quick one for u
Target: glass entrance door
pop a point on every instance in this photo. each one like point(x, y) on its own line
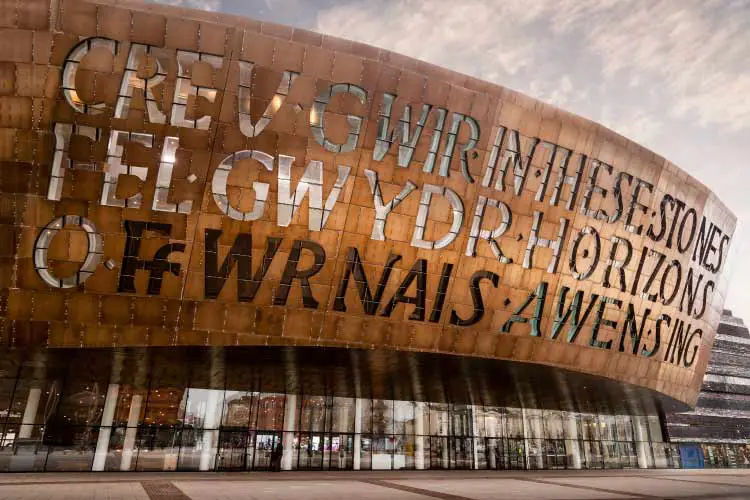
point(554, 454)
point(593, 455)
point(493, 449)
point(514, 454)
point(232, 449)
point(311, 451)
point(462, 456)
point(265, 443)
point(342, 452)
point(439, 452)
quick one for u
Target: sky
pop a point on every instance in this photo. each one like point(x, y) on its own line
point(671, 75)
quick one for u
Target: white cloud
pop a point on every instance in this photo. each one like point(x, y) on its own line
point(634, 123)
point(211, 5)
point(673, 75)
point(694, 52)
point(461, 35)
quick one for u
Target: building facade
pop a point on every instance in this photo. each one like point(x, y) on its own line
point(717, 432)
point(228, 242)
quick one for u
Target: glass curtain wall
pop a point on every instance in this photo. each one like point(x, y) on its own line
point(193, 411)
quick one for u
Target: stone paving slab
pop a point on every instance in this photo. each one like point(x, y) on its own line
point(103, 491)
point(661, 487)
point(382, 485)
point(294, 490)
point(736, 480)
point(490, 489)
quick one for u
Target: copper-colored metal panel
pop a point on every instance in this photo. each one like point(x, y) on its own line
point(173, 177)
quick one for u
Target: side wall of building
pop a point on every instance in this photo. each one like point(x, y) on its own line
point(717, 431)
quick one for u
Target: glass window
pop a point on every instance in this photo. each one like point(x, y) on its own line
point(342, 449)
point(403, 417)
point(535, 451)
point(365, 415)
point(23, 394)
point(628, 454)
point(156, 448)
point(571, 425)
point(382, 452)
point(81, 404)
point(202, 408)
point(553, 425)
point(238, 407)
point(403, 452)
point(554, 454)
point(315, 412)
point(270, 412)
point(611, 455)
point(514, 424)
point(365, 452)
point(592, 452)
point(312, 451)
point(743, 456)
point(25, 455)
point(114, 451)
point(439, 453)
point(607, 428)
point(382, 416)
point(439, 419)
point(590, 427)
point(654, 429)
point(71, 448)
point(169, 416)
point(343, 414)
point(493, 422)
point(463, 420)
point(534, 424)
point(171, 406)
point(660, 452)
point(189, 442)
point(7, 386)
point(624, 428)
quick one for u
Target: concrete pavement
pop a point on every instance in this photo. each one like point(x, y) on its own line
point(730, 484)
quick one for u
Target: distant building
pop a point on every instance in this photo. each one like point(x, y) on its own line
point(717, 432)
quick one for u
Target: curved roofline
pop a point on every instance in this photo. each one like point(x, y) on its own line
point(400, 61)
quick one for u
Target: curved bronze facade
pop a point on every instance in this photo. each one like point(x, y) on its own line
point(174, 177)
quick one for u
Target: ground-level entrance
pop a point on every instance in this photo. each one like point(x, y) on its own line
point(232, 410)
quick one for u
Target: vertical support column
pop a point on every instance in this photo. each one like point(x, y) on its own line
point(419, 435)
point(39, 362)
point(212, 417)
point(290, 422)
point(537, 435)
point(525, 427)
point(105, 431)
point(475, 438)
point(357, 434)
point(108, 414)
point(642, 445)
point(29, 413)
point(210, 430)
point(140, 383)
point(445, 431)
point(572, 441)
point(130, 433)
point(419, 412)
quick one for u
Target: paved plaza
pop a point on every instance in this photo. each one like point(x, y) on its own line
point(443, 485)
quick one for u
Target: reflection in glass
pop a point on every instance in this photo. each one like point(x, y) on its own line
point(144, 410)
